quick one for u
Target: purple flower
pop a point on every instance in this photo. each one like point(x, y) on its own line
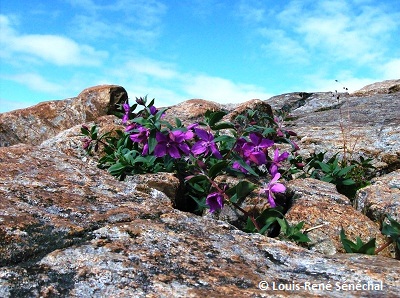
point(141, 137)
point(140, 101)
point(215, 201)
point(86, 143)
point(206, 144)
point(127, 110)
point(153, 110)
point(273, 169)
point(131, 126)
point(173, 143)
point(239, 145)
point(274, 187)
point(236, 165)
point(193, 125)
point(255, 150)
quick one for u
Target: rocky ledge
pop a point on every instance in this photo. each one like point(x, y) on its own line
point(69, 229)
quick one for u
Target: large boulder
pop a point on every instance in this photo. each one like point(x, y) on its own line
point(45, 120)
point(70, 230)
point(352, 125)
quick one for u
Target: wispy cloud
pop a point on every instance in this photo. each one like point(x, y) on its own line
point(158, 79)
point(36, 82)
point(221, 90)
point(341, 29)
point(138, 20)
point(55, 49)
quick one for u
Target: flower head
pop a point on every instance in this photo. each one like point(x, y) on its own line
point(255, 150)
point(86, 143)
point(273, 169)
point(141, 136)
point(273, 187)
point(206, 144)
point(215, 201)
point(172, 144)
point(127, 110)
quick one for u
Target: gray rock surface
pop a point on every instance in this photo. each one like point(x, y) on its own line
point(80, 233)
point(45, 120)
point(69, 229)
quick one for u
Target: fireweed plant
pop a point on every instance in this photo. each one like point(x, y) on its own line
point(200, 152)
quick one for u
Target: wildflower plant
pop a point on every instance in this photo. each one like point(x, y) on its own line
point(199, 153)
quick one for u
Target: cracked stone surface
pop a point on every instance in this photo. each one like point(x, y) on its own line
point(69, 229)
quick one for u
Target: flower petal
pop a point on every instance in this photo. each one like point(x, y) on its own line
point(174, 152)
point(278, 187)
point(199, 148)
point(202, 134)
point(160, 150)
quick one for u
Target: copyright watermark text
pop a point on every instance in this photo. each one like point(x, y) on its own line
point(309, 286)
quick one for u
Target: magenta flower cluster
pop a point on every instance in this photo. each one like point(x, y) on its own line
point(200, 144)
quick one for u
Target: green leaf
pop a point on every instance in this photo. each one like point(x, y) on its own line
point(347, 244)
point(368, 248)
point(348, 182)
point(267, 131)
point(300, 237)
point(224, 138)
point(214, 117)
point(392, 230)
point(178, 122)
point(197, 179)
point(250, 228)
point(359, 246)
point(160, 113)
point(223, 125)
point(116, 169)
point(265, 219)
point(151, 141)
point(84, 131)
point(324, 167)
point(240, 191)
point(327, 179)
point(246, 166)
point(345, 170)
point(217, 168)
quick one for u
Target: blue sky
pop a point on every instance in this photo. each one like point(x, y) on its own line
point(225, 51)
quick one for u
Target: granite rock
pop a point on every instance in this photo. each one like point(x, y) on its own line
point(78, 232)
point(69, 229)
point(381, 198)
point(318, 204)
point(35, 124)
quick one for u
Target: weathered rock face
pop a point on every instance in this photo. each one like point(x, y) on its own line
point(73, 231)
point(381, 198)
point(318, 203)
point(40, 122)
point(370, 124)
point(389, 86)
point(68, 229)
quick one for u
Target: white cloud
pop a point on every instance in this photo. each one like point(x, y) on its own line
point(36, 82)
point(340, 30)
point(280, 44)
point(167, 84)
point(55, 49)
point(250, 12)
point(221, 90)
point(58, 50)
point(153, 68)
point(391, 69)
point(138, 20)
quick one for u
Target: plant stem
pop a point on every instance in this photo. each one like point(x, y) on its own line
point(256, 225)
point(382, 247)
